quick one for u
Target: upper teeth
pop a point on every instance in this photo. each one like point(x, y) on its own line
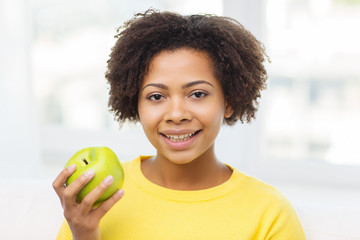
point(180, 137)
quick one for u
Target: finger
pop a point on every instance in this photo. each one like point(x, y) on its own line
point(108, 204)
point(70, 192)
point(89, 200)
point(59, 182)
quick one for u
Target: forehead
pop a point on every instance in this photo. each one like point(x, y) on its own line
point(179, 53)
point(180, 64)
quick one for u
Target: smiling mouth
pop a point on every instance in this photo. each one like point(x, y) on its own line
point(180, 138)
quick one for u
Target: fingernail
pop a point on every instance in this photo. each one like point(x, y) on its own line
point(71, 167)
point(108, 179)
point(90, 173)
point(119, 193)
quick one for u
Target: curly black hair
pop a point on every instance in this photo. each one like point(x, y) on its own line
point(237, 56)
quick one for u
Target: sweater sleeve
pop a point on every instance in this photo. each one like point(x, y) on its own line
point(64, 232)
point(286, 224)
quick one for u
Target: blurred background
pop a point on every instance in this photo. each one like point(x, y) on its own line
point(305, 139)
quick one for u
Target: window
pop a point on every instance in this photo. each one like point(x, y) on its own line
point(313, 105)
point(308, 117)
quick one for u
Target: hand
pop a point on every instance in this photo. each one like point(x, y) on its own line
point(83, 218)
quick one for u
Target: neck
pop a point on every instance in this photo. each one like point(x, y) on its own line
point(201, 173)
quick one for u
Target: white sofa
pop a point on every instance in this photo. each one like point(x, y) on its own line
point(31, 210)
point(329, 222)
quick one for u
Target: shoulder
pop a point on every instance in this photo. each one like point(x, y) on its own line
point(255, 192)
point(132, 169)
point(134, 164)
point(257, 188)
point(277, 213)
point(127, 164)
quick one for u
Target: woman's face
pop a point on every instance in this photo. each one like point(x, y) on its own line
point(181, 105)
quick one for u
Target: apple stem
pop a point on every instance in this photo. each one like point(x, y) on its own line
point(86, 162)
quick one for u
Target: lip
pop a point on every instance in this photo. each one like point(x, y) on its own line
point(179, 144)
point(178, 131)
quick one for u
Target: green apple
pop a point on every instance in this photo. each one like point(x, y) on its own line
point(104, 162)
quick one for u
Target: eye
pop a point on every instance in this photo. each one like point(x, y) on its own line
point(155, 97)
point(198, 94)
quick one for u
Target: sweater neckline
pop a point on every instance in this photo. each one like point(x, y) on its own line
point(183, 195)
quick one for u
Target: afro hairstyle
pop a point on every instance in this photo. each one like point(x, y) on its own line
point(237, 56)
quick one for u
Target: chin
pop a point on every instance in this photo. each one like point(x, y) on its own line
point(180, 158)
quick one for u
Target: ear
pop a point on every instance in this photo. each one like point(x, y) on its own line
point(228, 110)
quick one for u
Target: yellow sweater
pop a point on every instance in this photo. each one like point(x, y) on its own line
point(241, 208)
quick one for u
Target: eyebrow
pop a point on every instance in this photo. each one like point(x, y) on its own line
point(158, 85)
point(190, 84)
point(187, 85)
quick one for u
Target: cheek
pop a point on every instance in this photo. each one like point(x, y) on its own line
point(148, 117)
point(148, 120)
point(212, 113)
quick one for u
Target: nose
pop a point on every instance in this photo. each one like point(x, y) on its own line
point(177, 111)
